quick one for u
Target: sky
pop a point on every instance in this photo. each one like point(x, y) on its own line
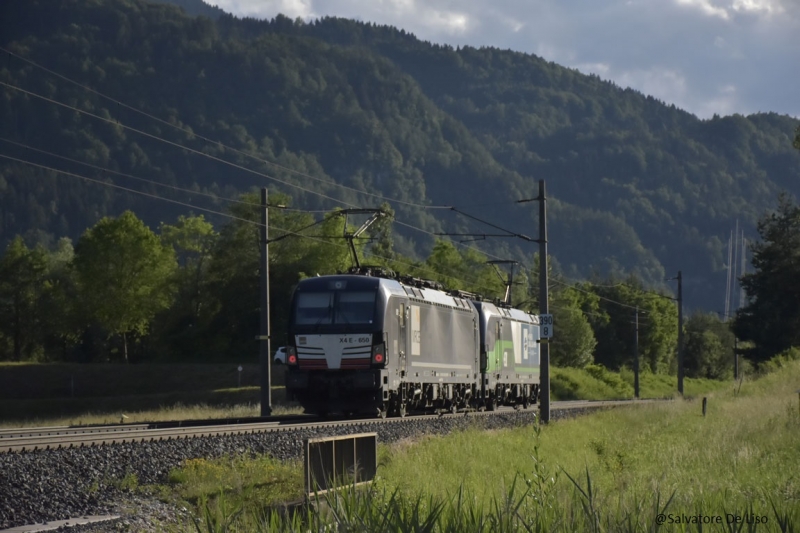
point(705, 56)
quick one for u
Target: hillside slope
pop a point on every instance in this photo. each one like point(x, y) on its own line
point(636, 186)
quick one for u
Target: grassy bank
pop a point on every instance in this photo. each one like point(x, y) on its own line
point(71, 394)
point(596, 383)
point(615, 470)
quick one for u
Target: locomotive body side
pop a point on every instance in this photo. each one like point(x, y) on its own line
point(509, 358)
point(439, 365)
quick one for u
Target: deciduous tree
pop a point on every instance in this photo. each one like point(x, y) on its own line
point(22, 273)
point(708, 347)
point(573, 341)
point(124, 272)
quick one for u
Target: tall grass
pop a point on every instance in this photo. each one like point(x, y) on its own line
point(615, 470)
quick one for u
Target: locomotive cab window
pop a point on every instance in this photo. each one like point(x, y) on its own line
point(355, 307)
point(335, 307)
point(314, 308)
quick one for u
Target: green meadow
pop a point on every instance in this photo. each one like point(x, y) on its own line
point(624, 469)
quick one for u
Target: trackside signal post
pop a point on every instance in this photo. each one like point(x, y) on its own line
point(264, 331)
point(636, 354)
point(544, 362)
point(544, 308)
point(680, 332)
point(679, 279)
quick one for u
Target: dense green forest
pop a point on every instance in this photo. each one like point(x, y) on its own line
point(335, 112)
point(191, 292)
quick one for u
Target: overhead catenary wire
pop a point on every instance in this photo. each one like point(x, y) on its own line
point(199, 208)
point(155, 196)
point(124, 175)
point(418, 266)
point(610, 300)
point(325, 240)
point(121, 104)
point(177, 145)
point(223, 161)
point(260, 159)
point(187, 131)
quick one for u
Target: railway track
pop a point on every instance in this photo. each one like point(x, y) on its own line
point(44, 438)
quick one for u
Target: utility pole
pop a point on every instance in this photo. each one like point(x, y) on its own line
point(636, 355)
point(680, 332)
point(544, 376)
point(265, 353)
point(679, 277)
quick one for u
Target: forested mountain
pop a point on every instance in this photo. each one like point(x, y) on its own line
point(635, 186)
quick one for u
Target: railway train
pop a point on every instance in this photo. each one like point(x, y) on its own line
point(388, 346)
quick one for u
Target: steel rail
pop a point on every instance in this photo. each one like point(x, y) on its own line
point(18, 440)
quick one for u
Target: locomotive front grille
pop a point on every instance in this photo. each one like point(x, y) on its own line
point(312, 364)
point(355, 363)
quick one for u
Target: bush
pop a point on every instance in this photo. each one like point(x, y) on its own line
point(611, 379)
point(780, 361)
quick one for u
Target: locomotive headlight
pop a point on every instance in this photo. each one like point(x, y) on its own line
point(291, 355)
point(379, 355)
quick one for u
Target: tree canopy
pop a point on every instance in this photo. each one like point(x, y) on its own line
point(771, 319)
point(124, 273)
point(22, 275)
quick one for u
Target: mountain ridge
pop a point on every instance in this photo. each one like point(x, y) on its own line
point(635, 186)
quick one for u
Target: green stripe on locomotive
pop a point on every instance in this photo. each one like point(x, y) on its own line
point(503, 357)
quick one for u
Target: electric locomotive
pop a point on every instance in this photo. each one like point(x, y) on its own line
point(509, 362)
point(373, 345)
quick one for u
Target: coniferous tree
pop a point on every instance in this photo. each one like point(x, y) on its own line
point(771, 319)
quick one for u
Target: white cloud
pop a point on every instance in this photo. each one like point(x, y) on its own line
point(257, 8)
point(725, 102)
point(758, 6)
point(706, 7)
point(447, 22)
point(601, 69)
point(662, 83)
point(687, 52)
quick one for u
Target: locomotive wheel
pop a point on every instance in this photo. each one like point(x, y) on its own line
point(383, 411)
point(401, 410)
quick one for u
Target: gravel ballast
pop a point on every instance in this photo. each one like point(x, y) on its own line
point(51, 485)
